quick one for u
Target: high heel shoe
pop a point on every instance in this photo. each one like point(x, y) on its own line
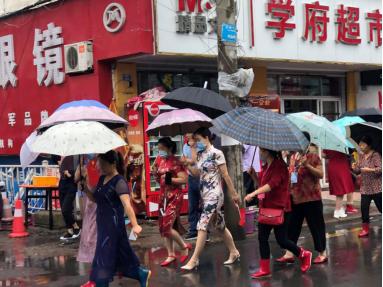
point(188, 247)
point(189, 269)
point(231, 261)
point(168, 262)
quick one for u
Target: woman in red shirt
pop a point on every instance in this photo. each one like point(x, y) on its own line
point(274, 188)
point(306, 171)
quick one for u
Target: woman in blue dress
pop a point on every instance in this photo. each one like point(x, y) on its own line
point(114, 254)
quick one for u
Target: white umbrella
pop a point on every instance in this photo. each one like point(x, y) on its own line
point(75, 138)
point(26, 155)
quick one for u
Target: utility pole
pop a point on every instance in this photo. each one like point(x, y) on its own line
point(228, 63)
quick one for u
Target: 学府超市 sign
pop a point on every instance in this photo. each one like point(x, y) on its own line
point(322, 30)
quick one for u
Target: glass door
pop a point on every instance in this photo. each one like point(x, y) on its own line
point(294, 105)
point(330, 109)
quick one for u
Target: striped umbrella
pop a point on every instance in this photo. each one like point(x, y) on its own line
point(84, 110)
point(263, 128)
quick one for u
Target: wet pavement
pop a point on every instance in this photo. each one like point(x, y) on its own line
point(353, 262)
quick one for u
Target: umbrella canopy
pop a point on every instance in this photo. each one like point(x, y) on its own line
point(75, 138)
point(178, 122)
point(85, 110)
point(373, 130)
point(26, 155)
point(323, 133)
point(370, 114)
point(348, 121)
point(263, 128)
point(205, 101)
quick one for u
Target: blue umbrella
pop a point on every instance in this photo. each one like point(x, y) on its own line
point(342, 123)
point(263, 128)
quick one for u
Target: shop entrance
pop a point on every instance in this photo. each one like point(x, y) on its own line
point(329, 107)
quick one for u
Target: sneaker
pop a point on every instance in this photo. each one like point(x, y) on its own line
point(191, 236)
point(342, 213)
point(76, 233)
point(66, 236)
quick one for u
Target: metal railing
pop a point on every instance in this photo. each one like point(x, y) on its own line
point(15, 175)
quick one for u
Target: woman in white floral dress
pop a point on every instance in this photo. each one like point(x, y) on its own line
point(210, 165)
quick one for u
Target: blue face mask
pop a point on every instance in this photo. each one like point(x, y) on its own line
point(200, 146)
point(163, 153)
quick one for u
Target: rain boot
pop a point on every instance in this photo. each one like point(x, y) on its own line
point(365, 230)
point(305, 258)
point(264, 269)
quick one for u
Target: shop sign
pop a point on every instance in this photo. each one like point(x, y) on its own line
point(308, 30)
point(114, 17)
point(154, 110)
point(191, 18)
point(269, 102)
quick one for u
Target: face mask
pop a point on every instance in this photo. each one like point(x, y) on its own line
point(163, 153)
point(200, 146)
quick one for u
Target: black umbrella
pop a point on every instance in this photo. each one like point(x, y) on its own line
point(373, 130)
point(203, 100)
point(369, 115)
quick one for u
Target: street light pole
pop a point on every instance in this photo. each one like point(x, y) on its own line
point(228, 63)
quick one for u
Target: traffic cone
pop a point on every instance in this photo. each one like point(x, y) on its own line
point(7, 209)
point(18, 229)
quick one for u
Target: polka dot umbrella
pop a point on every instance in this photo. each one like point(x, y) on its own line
point(76, 138)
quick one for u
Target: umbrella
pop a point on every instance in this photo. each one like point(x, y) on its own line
point(374, 130)
point(205, 101)
point(84, 110)
point(75, 138)
point(263, 128)
point(26, 155)
point(369, 114)
point(323, 133)
point(178, 122)
point(348, 121)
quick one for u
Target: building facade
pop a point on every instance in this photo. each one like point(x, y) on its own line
point(322, 56)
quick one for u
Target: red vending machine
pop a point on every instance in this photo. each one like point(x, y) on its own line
point(143, 150)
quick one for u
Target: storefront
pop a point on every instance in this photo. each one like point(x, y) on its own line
point(310, 53)
point(63, 52)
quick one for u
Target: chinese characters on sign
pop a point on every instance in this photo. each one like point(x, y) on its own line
point(348, 25)
point(189, 17)
point(9, 143)
point(316, 22)
point(375, 25)
point(316, 18)
point(48, 55)
point(7, 62)
point(281, 12)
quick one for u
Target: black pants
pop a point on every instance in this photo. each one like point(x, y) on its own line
point(67, 205)
point(313, 213)
point(366, 202)
point(194, 199)
point(280, 233)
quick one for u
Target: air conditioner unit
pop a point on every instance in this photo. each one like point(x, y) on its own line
point(78, 57)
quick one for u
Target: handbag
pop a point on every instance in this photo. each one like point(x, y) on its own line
point(271, 216)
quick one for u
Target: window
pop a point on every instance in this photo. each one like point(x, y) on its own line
point(171, 81)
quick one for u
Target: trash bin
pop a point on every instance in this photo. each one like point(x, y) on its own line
point(250, 220)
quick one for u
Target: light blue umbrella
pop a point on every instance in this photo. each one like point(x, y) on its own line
point(348, 121)
point(323, 133)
